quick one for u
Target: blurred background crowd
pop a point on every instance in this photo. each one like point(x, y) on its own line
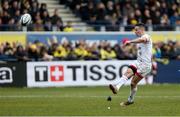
point(11, 11)
point(82, 50)
point(161, 14)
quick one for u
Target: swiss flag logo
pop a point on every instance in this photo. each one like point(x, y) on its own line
point(57, 73)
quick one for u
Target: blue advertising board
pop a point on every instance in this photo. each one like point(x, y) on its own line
point(77, 36)
point(169, 73)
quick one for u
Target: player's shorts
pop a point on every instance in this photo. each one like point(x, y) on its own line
point(141, 69)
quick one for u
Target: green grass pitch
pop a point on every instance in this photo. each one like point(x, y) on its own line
point(154, 100)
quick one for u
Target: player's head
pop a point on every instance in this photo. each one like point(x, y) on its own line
point(139, 29)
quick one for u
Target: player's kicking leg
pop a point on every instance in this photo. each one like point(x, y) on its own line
point(128, 74)
point(133, 91)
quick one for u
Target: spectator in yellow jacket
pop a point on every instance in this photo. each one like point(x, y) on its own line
point(60, 52)
point(107, 53)
point(81, 52)
point(68, 27)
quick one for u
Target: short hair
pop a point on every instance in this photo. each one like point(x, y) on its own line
point(140, 25)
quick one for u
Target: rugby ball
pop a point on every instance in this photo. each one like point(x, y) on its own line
point(25, 19)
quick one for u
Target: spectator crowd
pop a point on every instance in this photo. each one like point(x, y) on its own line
point(82, 50)
point(165, 14)
point(110, 13)
point(162, 14)
point(11, 10)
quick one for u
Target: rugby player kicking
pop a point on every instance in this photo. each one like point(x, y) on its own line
point(140, 68)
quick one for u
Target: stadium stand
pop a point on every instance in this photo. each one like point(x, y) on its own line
point(109, 15)
point(82, 50)
point(74, 15)
point(163, 14)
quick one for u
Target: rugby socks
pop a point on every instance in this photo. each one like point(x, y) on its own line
point(132, 94)
point(121, 82)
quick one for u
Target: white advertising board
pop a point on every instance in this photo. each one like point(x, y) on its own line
point(75, 73)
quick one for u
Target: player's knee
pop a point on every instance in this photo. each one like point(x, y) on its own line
point(132, 69)
point(129, 73)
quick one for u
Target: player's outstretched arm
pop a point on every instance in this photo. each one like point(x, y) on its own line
point(137, 40)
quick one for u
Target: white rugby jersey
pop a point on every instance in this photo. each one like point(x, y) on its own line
point(144, 50)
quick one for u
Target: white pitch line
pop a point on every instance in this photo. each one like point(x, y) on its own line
point(70, 96)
